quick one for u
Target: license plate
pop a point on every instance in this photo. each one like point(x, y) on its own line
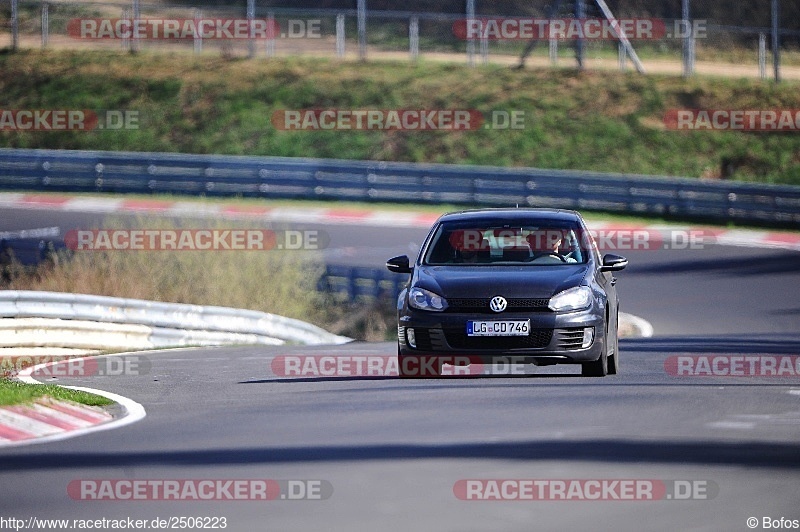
point(499, 328)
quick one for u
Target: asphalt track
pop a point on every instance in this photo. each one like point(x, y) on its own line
point(394, 450)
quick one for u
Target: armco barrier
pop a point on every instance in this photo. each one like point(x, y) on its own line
point(371, 181)
point(28, 251)
point(360, 283)
point(168, 323)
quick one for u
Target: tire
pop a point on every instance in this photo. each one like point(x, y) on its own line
point(613, 360)
point(400, 373)
point(599, 367)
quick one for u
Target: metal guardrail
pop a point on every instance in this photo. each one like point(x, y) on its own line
point(359, 283)
point(372, 181)
point(28, 251)
point(186, 324)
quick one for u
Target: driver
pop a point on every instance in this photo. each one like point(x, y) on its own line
point(548, 242)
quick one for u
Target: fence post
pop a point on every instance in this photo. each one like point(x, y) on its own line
point(484, 45)
point(776, 50)
point(413, 38)
point(126, 42)
point(762, 56)
point(688, 62)
point(553, 51)
point(14, 25)
point(198, 38)
point(251, 15)
point(340, 34)
point(580, 49)
point(362, 29)
point(135, 36)
point(274, 32)
point(470, 41)
point(45, 24)
point(623, 56)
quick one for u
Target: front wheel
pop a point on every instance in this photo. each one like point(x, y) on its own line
point(613, 360)
point(599, 367)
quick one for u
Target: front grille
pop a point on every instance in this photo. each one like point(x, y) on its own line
point(481, 305)
point(537, 339)
point(570, 338)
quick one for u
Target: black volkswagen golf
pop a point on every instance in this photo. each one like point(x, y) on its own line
point(526, 283)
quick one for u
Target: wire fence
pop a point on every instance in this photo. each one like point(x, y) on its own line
point(682, 43)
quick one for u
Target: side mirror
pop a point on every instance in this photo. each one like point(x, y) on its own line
point(613, 263)
point(399, 264)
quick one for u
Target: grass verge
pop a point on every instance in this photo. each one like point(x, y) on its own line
point(601, 121)
point(283, 282)
point(14, 392)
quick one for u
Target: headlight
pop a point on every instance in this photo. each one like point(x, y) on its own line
point(425, 300)
point(576, 298)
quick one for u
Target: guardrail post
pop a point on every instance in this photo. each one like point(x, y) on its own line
point(352, 284)
point(762, 56)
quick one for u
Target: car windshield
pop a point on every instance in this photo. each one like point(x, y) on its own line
point(500, 242)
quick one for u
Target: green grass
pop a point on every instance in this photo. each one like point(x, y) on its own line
point(14, 392)
point(601, 121)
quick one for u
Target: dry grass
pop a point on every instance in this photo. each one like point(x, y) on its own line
point(282, 282)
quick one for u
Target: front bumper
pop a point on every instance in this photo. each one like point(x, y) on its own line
point(554, 338)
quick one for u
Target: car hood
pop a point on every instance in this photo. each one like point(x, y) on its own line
point(508, 281)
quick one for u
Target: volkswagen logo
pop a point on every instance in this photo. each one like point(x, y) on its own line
point(498, 304)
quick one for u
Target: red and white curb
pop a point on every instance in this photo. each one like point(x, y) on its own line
point(347, 216)
point(48, 420)
point(46, 417)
